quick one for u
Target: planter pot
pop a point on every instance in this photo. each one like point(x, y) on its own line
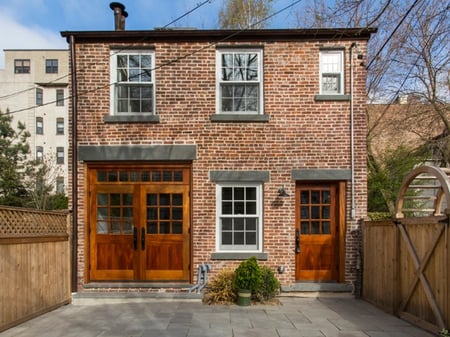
point(244, 297)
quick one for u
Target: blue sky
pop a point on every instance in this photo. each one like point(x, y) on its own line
point(36, 24)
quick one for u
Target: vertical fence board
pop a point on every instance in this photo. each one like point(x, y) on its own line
point(34, 263)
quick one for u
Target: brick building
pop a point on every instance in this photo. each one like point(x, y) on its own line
point(212, 146)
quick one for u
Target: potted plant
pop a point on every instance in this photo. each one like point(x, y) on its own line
point(248, 279)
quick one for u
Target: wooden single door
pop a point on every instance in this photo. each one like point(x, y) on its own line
point(316, 232)
point(113, 233)
point(165, 253)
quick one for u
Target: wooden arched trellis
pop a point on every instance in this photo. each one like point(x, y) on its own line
point(422, 254)
point(423, 191)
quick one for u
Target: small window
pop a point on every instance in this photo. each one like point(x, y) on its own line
point(239, 218)
point(332, 72)
point(134, 83)
point(39, 96)
point(21, 66)
point(39, 154)
point(59, 126)
point(60, 155)
point(60, 184)
point(239, 82)
point(59, 97)
point(51, 66)
point(39, 126)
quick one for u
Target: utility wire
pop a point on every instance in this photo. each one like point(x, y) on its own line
point(199, 5)
point(392, 33)
point(168, 63)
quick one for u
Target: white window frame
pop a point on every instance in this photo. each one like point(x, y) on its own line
point(332, 69)
point(259, 81)
point(115, 83)
point(259, 226)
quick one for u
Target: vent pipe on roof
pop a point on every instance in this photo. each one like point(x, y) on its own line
point(119, 15)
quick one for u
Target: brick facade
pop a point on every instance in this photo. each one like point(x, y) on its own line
point(302, 132)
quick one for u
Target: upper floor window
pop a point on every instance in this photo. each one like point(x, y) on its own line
point(39, 96)
point(239, 217)
point(60, 155)
point(134, 83)
point(51, 66)
point(59, 126)
point(239, 81)
point(60, 184)
point(39, 126)
point(332, 72)
point(59, 97)
point(21, 66)
point(39, 153)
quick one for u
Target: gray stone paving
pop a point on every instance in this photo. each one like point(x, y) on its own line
point(324, 316)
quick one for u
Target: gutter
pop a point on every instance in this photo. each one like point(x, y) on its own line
point(352, 133)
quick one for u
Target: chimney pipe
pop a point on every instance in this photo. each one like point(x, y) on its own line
point(119, 15)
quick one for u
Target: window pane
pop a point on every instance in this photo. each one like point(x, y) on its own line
point(152, 228)
point(315, 197)
point(239, 238)
point(152, 199)
point(177, 199)
point(102, 199)
point(164, 228)
point(177, 213)
point(227, 193)
point(227, 224)
point(227, 238)
point(315, 227)
point(326, 227)
point(239, 193)
point(239, 224)
point(164, 213)
point(164, 199)
point(326, 197)
point(177, 228)
point(250, 207)
point(152, 214)
point(304, 212)
point(315, 212)
point(128, 199)
point(304, 227)
point(115, 199)
point(239, 208)
point(250, 238)
point(304, 197)
point(251, 224)
point(326, 212)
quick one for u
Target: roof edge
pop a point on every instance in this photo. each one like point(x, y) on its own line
point(225, 34)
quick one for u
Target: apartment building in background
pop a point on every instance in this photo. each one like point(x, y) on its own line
point(34, 89)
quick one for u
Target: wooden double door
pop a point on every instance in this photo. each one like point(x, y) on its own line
point(139, 224)
point(318, 222)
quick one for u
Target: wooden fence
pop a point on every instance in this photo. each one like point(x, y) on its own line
point(34, 263)
point(406, 269)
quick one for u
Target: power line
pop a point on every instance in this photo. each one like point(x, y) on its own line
point(199, 5)
point(392, 33)
point(170, 62)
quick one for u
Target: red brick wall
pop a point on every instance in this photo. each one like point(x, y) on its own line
point(302, 133)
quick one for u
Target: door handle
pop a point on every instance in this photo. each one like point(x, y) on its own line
point(142, 238)
point(135, 238)
point(297, 241)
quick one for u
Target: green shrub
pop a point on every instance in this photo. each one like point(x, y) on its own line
point(220, 289)
point(270, 286)
point(248, 275)
point(445, 333)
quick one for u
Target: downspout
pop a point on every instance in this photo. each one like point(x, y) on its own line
point(352, 135)
point(74, 167)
